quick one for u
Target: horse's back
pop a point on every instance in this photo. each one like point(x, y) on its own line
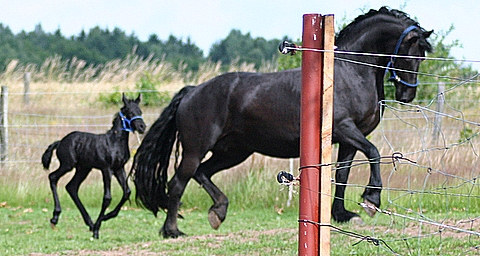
point(86, 149)
point(258, 111)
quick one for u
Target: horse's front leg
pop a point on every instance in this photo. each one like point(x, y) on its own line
point(107, 199)
point(351, 139)
point(346, 153)
point(371, 195)
point(122, 180)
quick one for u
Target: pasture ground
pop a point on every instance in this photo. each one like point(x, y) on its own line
point(441, 186)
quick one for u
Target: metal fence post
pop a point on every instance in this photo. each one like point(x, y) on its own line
point(4, 123)
point(439, 109)
point(313, 96)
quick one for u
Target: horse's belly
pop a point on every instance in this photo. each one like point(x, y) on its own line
point(277, 148)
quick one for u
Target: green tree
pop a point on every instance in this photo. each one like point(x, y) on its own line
point(243, 48)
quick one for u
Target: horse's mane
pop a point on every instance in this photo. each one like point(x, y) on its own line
point(116, 121)
point(397, 14)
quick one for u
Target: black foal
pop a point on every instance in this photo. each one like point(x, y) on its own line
point(108, 152)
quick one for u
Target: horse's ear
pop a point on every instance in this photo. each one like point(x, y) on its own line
point(426, 34)
point(139, 98)
point(124, 99)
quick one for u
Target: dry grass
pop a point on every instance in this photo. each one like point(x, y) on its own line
point(63, 102)
point(63, 97)
point(63, 94)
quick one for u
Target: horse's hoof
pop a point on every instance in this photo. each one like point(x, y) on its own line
point(171, 234)
point(369, 208)
point(357, 221)
point(52, 225)
point(214, 220)
point(175, 235)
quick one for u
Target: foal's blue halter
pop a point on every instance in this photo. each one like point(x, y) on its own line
point(394, 76)
point(127, 123)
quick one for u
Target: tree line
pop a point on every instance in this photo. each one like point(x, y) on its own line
point(98, 46)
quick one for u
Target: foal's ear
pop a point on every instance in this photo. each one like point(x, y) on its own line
point(139, 98)
point(427, 34)
point(124, 99)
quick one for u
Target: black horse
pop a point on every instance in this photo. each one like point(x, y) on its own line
point(108, 152)
point(236, 114)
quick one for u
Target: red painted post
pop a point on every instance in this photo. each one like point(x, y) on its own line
point(308, 241)
point(316, 127)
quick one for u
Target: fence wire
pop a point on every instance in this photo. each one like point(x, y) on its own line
point(430, 188)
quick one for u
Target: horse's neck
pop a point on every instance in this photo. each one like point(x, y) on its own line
point(379, 39)
point(372, 39)
point(117, 132)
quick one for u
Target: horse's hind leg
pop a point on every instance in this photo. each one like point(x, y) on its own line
point(54, 177)
point(217, 162)
point(176, 187)
point(122, 180)
point(81, 174)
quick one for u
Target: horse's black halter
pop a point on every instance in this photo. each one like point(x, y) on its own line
point(127, 123)
point(393, 74)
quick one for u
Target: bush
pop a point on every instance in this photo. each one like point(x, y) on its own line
point(146, 86)
point(150, 95)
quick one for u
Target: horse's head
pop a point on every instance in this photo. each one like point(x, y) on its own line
point(410, 48)
point(131, 115)
point(391, 32)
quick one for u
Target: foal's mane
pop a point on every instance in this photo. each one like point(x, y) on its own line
point(116, 122)
point(383, 11)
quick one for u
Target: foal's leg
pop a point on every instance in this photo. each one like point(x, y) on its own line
point(54, 177)
point(107, 198)
point(217, 162)
point(122, 180)
point(81, 174)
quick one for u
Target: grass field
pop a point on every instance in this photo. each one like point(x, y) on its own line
point(248, 230)
point(431, 197)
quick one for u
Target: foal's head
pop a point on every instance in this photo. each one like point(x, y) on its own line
point(131, 115)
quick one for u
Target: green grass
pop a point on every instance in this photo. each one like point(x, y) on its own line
point(26, 230)
point(258, 223)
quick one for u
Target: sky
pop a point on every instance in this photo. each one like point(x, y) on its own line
point(208, 22)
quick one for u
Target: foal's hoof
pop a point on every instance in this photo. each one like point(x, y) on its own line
point(369, 208)
point(214, 220)
point(52, 225)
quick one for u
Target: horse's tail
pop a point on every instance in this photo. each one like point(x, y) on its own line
point(151, 161)
point(47, 155)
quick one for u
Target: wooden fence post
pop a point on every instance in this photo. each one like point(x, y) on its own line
point(26, 85)
point(4, 123)
point(326, 133)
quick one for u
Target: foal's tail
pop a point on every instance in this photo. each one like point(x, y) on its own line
point(151, 161)
point(47, 155)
